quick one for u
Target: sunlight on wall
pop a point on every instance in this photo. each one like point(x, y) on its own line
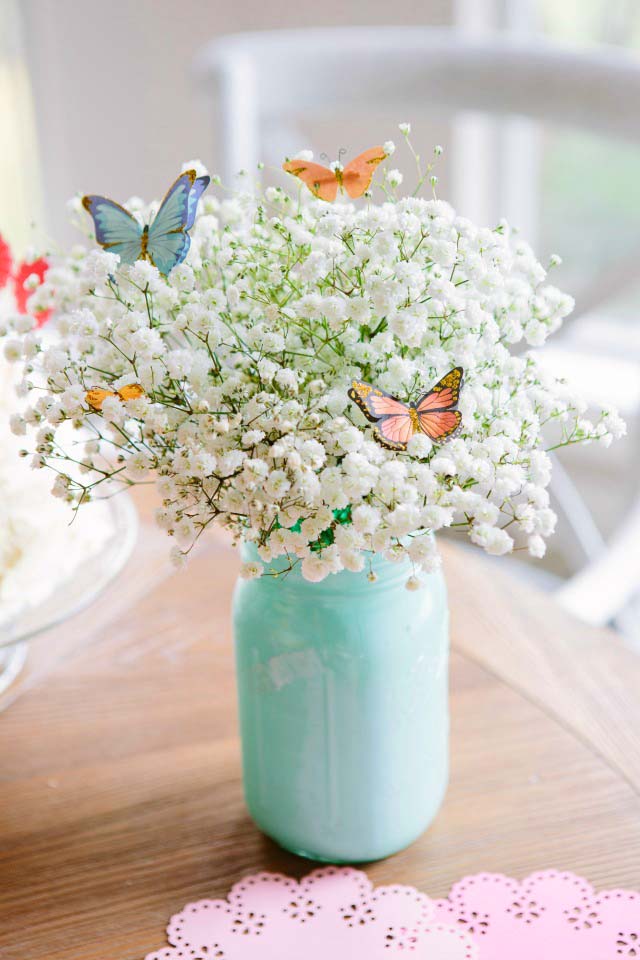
point(592, 21)
point(20, 189)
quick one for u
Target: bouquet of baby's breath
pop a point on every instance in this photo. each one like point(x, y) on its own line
point(246, 353)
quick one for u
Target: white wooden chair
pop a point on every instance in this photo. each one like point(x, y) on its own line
point(262, 80)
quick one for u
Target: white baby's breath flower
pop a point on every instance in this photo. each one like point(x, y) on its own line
point(614, 424)
point(18, 425)
point(99, 265)
point(138, 464)
point(13, 350)
point(315, 569)
point(61, 486)
point(197, 165)
point(113, 410)
point(178, 557)
point(145, 275)
point(537, 546)
point(419, 446)
point(277, 484)
point(23, 322)
point(183, 279)
point(443, 465)
point(318, 566)
point(493, 539)
point(251, 570)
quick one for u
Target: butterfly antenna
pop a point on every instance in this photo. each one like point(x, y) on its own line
point(323, 156)
point(341, 153)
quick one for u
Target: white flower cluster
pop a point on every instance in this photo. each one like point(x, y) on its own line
point(246, 352)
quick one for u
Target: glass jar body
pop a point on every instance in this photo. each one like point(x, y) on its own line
point(343, 697)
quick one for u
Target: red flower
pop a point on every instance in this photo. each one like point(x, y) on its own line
point(6, 262)
point(23, 271)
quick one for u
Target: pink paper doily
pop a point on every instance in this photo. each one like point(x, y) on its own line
point(333, 914)
point(336, 914)
point(549, 916)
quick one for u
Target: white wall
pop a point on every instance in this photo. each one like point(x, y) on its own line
point(116, 107)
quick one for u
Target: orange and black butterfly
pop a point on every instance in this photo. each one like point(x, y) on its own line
point(324, 182)
point(434, 414)
point(97, 395)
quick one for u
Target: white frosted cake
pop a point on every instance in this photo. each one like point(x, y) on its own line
point(39, 547)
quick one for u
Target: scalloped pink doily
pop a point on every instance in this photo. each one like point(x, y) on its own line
point(335, 913)
point(549, 916)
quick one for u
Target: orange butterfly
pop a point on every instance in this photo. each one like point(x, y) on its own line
point(395, 422)
point(96, 396)
point(324, 182)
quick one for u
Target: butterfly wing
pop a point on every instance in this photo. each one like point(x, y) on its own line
point(168, 241)
point(116, 230)
point(96, 397)
point(445, 394)
point(374, 402)
point(395, 432)
point(169, 250)
point(394, 424)
point(132, 391)
point(321, 181)
point(200, 184)
point(358, 173)
point(440, 425)
point(436, 414)
point(174, 209)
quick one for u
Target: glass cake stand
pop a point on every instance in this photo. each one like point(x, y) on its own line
point(72, 596)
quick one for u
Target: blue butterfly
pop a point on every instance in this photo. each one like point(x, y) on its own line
point(165, 241)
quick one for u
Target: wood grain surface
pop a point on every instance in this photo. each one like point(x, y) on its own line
point(120, 789)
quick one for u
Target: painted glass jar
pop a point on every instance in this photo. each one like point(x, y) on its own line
point(343, 696)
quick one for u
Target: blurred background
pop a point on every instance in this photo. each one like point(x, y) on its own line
point(535, 102)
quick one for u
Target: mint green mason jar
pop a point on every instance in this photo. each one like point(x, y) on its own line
point(343, 696)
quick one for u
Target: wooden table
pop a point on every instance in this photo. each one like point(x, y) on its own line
point(121, 797)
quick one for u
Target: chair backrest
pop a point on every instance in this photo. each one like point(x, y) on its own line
point(262, 76)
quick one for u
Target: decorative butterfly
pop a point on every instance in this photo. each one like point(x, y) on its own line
point(395, 422)
point(165, 241)
point(97, 395)
point(324, 182)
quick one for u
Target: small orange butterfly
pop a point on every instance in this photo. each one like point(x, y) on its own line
point(97, 395)
point(395, 422)
point(324, 182)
